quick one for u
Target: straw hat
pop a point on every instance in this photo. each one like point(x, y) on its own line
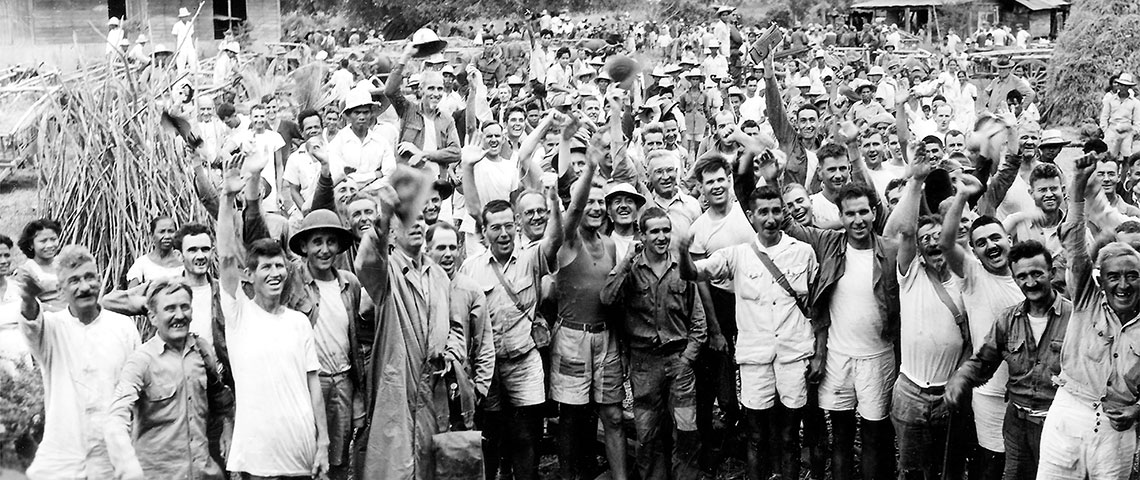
point(1003, 62)
point(1052, 138)
point(113, 21)
point(320, 220)
point(724, 10)
point(141, 39)
point(183, 12)
point(436, 59)
point(876, 70)
point(1126, 79)
point(515, 80)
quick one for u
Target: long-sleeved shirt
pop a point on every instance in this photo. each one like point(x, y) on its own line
point(661, 312)
point(1033, 362)
point(173, 395)
point(469, 314)
point(1119, 114)
point(772, 327)
point(801, 161)
point(80, 363)
point(1101, 363)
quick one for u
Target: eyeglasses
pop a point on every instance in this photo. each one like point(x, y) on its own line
point(535, 212)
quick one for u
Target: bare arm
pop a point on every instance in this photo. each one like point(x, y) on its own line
point(231, 252)
point(318, 400)
point(956, 255)
point(552, 239)
point(904, 221)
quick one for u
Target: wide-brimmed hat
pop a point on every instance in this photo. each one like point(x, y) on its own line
point(358, 97)
point(141, 38)
point(859, 84)
point(876, 70)
point(183, 12)
point(316, 220)
point(1003, 62)
point(427, 43)
point(623, 188)
point(515, 80)
point(113, 21)
point(1052, 138)
point(725, 9)
point(734, 90)
point(1126, 79)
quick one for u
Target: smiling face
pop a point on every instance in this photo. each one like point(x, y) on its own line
point(499, 232)
point(80, 286)
point(715, 187)
point(595, 212)
point(1047, 194)
point(672, 132)
point(45, 244)
point(321, 249)
point(622, 209)
point(872, 150)
point(170, 314)
point(432, 87)
point(857, 217)
point(807, 121)
point(1108, 174)
point(444, 248)
point(834, 172)
point(361, 215)
point(493, 140)
point(991, 245)
point(532, 215)
point(163, 235)
point(311, 127)
point(516, 124)
point(1120, 280)
point(927, 237)
point(1034, 277)
point(269, 276)
point(767, 216)
point(663, 176)
point(196, 251)
point(657, 234)
point(259, 118)
point(799, 205)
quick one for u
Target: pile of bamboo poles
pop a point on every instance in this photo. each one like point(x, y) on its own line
point(108, 167)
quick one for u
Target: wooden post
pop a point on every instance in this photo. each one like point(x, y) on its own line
point(906, 19)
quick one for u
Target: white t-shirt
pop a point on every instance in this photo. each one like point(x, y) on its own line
point(1017, 199)
point(271, 355)
point(331, 329)
point(711, 235)
point(856, 323)
point(80, 366)
point(202, 306)
point(1037, 325)
point(929, 339)
point(822, 210)
point(622, 244)
point(496, 179)
point(145, 270)
point(986, 297)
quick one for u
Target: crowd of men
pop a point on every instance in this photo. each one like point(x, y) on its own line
point(806, 261)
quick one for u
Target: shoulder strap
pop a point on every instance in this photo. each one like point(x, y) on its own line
point(781, 279)
point(940, 289)
point(507, 288)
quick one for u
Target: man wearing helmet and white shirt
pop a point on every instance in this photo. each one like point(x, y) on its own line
point(360, 151)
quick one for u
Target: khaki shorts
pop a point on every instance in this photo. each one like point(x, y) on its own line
point(761, 383)
point(860, 384)
point(585, 367)
point(989, 418)
point(518, 382)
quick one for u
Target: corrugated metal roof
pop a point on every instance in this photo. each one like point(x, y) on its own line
point(1043, 4)
point(869, 4)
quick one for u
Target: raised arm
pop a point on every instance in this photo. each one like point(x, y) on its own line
point(578, 195)
point(231, 251)
point(955, 255)
point(782, 127)
point(372, 256)
point(530, 173)
point(1072, 234)
point(904, 220)
point(472, 153)
point(552, 239)
point(999, 184)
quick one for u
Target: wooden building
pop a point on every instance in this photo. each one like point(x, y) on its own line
point(1042, 18)
point(55, 24)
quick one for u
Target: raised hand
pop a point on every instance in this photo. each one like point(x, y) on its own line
point(967, 185)
point(473, 151)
